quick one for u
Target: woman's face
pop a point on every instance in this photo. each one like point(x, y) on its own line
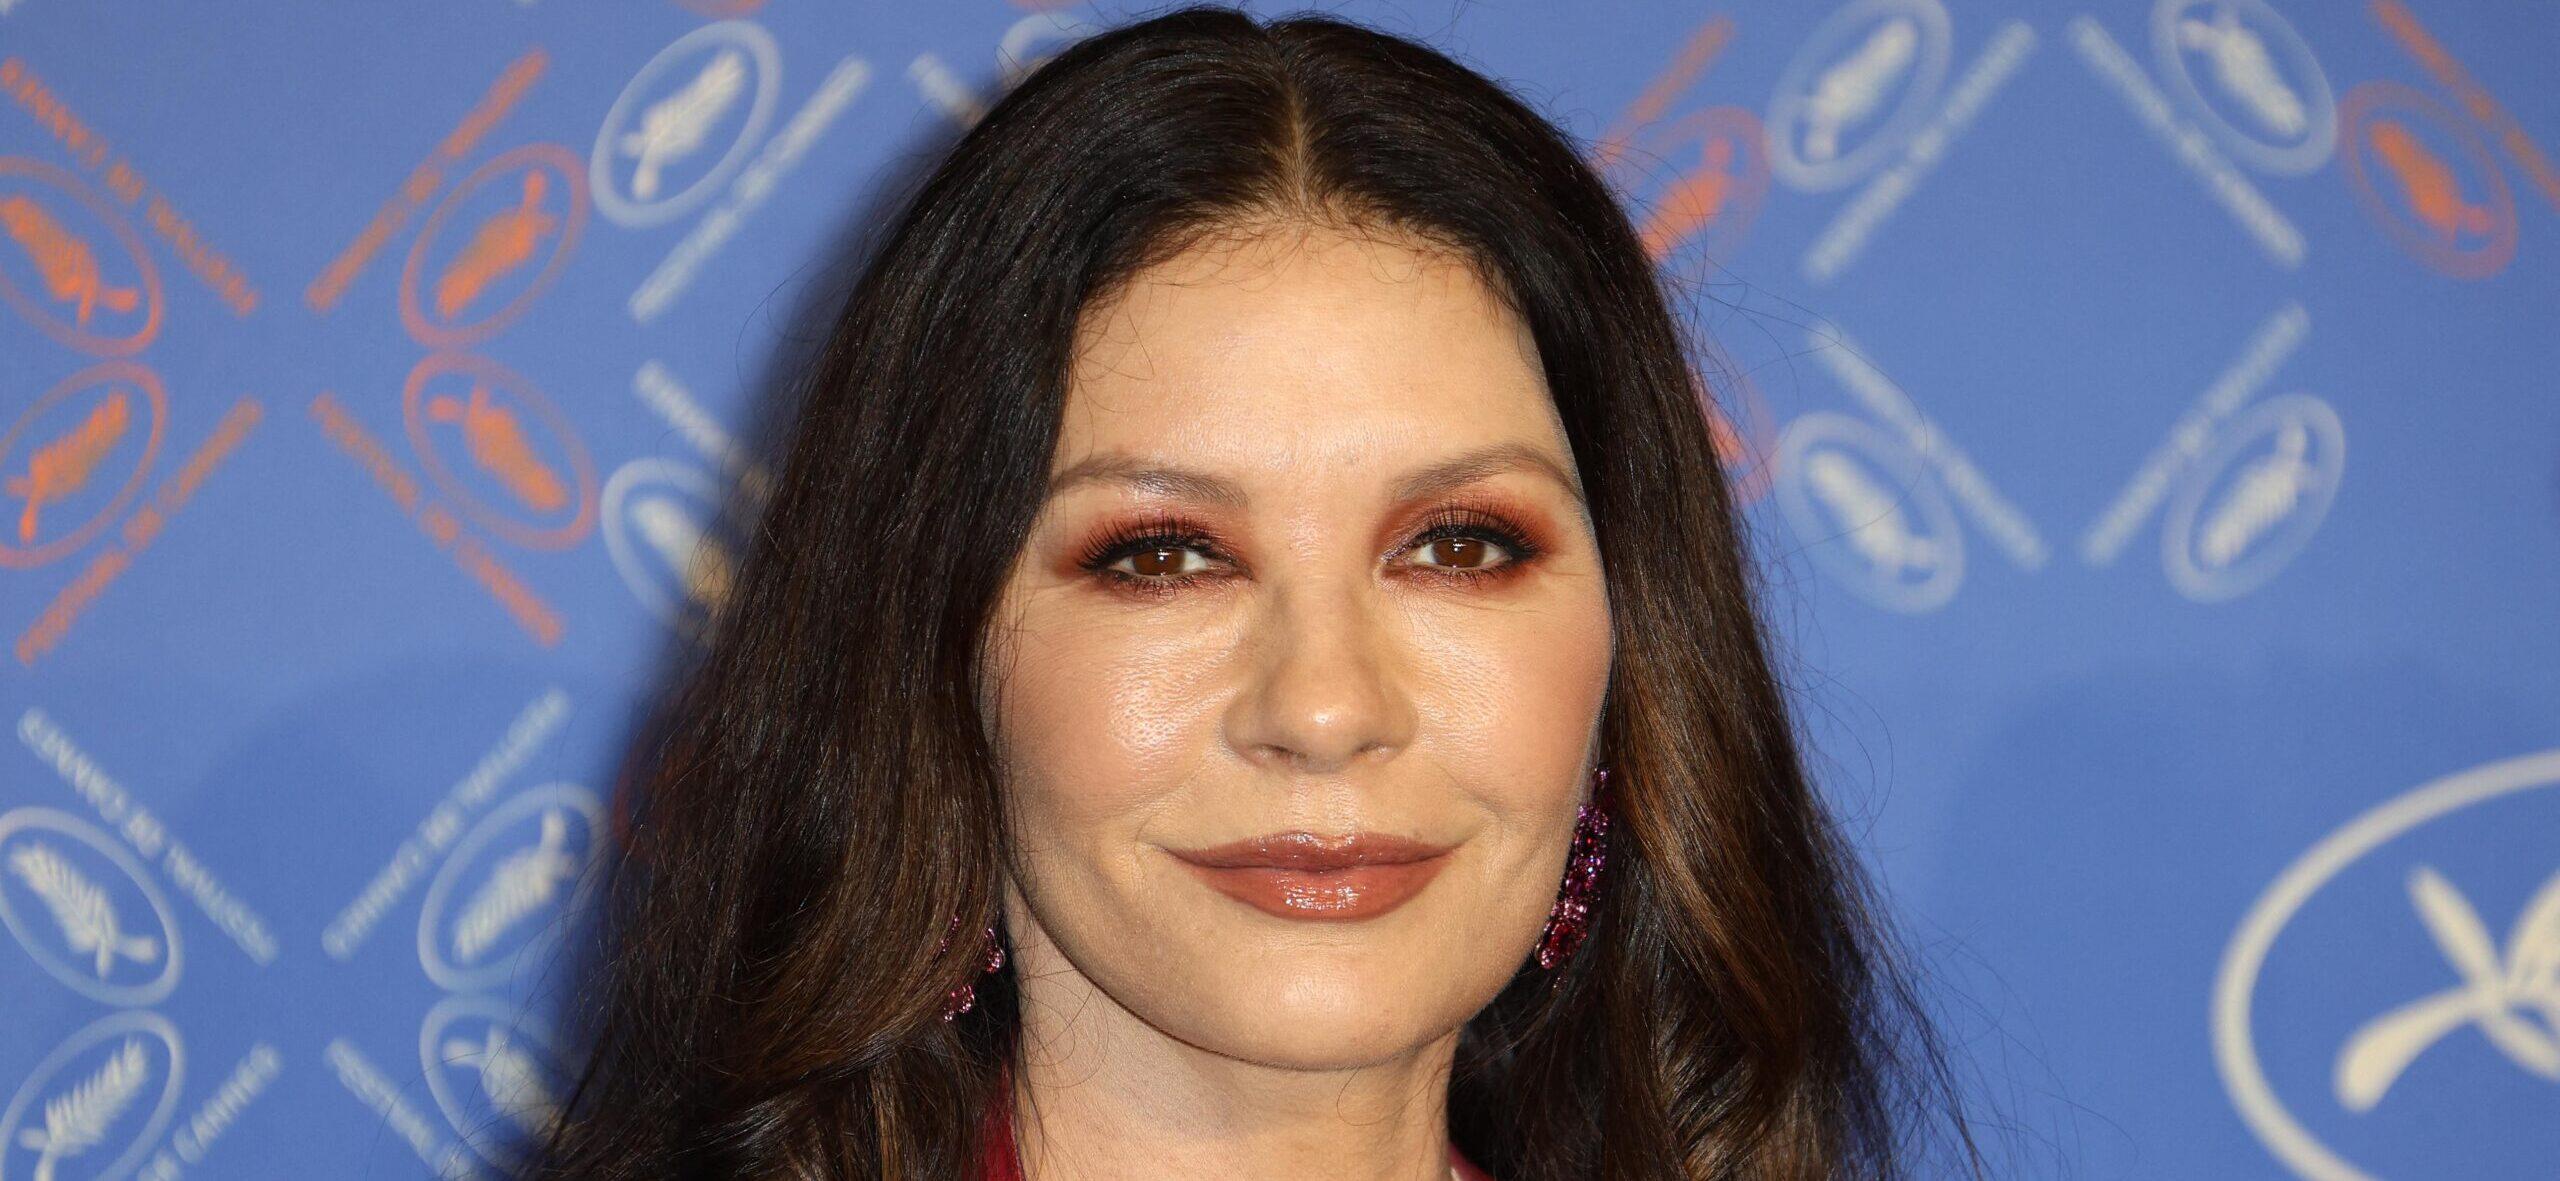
point(1313, 562)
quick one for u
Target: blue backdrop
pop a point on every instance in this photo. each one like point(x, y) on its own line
point(2145, 410)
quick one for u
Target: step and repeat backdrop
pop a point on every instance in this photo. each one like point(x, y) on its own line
point(2145, 410)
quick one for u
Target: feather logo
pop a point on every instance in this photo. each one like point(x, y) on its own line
point(685, 123)
point(2265, 493)
point(1871, 515)
point(525, 881)
point(1856, 86)
point(69, 267)
point(1869, 511)
point(676, 126)
point(80, 908)
point(2254, 498)
point(505, 887)
point(2244, 69)
point(77, 1120)
point(1856, 89)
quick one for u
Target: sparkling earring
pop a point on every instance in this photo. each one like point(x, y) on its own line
point(962, 997)
point(1571, 919)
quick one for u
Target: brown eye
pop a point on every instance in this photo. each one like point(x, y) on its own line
point(1460, 553)
point(1461, 546)
point(1471, 552)
point(1158, 562)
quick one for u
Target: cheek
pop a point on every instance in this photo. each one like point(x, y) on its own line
point(1513, 695)
point(1100, 718)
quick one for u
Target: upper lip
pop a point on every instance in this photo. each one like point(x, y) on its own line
point(1299, 849)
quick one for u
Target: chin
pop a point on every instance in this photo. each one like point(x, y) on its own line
point(1325, 1015)
point(1318, 1041)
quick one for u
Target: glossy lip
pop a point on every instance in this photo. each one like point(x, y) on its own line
point(1304, 875)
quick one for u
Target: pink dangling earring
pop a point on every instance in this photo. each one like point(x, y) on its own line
point(962, 997)
point(1571, 919)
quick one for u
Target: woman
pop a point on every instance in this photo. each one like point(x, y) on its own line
point(1250, 562)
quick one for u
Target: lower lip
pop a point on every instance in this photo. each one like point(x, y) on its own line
point(1356, 892)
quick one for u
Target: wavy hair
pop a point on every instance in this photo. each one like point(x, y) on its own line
point(775, 946)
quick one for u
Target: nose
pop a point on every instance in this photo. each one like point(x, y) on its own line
point(1326, 682)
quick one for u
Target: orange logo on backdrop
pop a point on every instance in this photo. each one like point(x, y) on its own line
point(1701, 211)
point(69, 267)
point(522, 471)
point(1712, 202)
point(126, 183)
point(93, 285)
point(59, 468)
point(2431, 183)
point(515, 246)
point(496, 451)
point(501, 98)
point(55, 478)
point(2440, 64)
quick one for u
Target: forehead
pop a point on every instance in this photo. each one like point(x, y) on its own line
point(1304, 346)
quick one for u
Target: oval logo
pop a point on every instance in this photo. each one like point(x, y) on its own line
point(660, 526)
point(72, 265)
point(1869, 512)
point(2428, 180)
point(509, 458)
point(76, 459)
point(2254, 499)
point(503, 889)
point(684, 124)
point(2250, 79)
point(96, 1105)
point(495, 1073)
point(1857, 90)
point(85, 910)
point(494, 244)
point(2390, 1005)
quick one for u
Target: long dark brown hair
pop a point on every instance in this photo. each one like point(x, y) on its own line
point(775, 946)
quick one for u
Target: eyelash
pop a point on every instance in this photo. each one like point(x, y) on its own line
point(1163, 533)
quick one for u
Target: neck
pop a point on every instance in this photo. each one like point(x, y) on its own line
point(1097, 1093)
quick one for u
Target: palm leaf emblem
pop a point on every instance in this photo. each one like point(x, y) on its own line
point(83, 911)
point(77, 1120)
point(524, 882)
point(675, 126)
point(2267, 491)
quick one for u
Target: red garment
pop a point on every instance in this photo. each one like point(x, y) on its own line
point(1001, 1164)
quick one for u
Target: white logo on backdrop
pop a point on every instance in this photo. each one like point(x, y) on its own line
point(2496, 992)
point(529, 862)
point(2254, 501)
point(2271, 109)
point(1860, 85)
point(658, 517)
point(1869, 512)
point(93, 1094)
point(2511, 996)
point(85, 909)
point(653, 160)
point(493, 1071)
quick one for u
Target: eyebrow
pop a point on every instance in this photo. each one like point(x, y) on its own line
point(1445, 476)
